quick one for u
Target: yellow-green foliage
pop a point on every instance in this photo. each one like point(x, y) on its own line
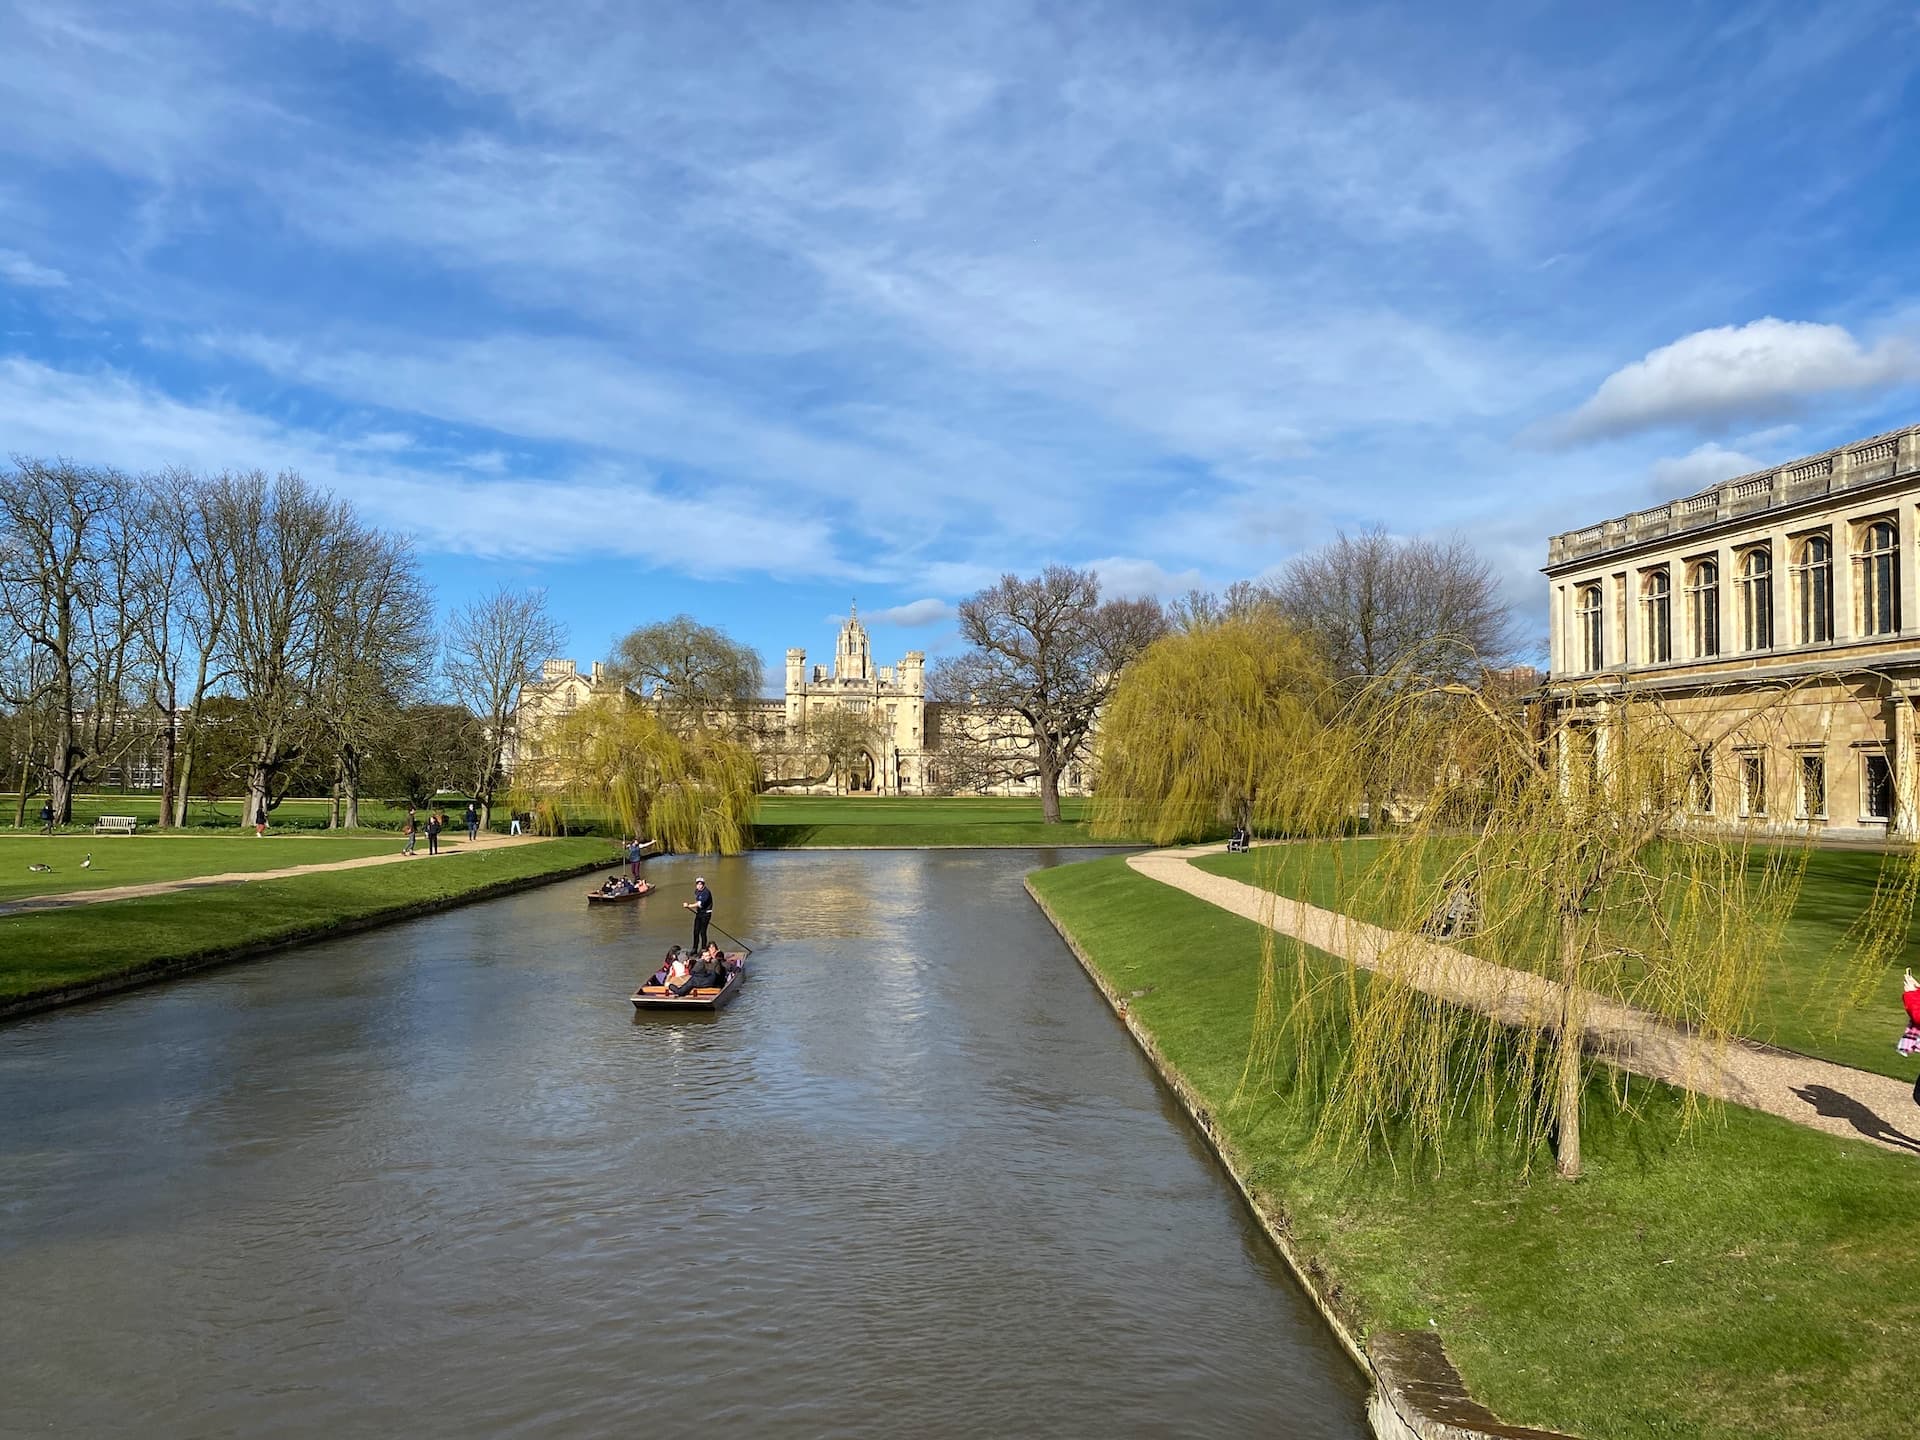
point(1208, 727)
point(691, 791)
point(1563, 844)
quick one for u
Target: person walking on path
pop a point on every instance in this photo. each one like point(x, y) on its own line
point(411, 830)
point(46, 817)
point(1909, 1043)
point(702, 907)
point(473, 823)
point(260, 821)
point(433, 832)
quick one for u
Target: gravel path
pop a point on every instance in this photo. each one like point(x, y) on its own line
point(68, 899)
point(1835, 1098)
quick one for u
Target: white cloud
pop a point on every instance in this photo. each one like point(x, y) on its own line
point(1128, 577)
point(1700, 467)
point(1736, 372)
point(22, 270)
point(913, 615)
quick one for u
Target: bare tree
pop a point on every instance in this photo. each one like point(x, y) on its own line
point(1045, 654)
point(1201, 609)
point(289, 548)
point(377, 654)
point(65, 587)
point(494, 646)
point(188, 524)
point(687, 669)
point(1375, 604)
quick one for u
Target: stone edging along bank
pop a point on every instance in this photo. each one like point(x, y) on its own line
point(158, 970)
point(1416, 1392)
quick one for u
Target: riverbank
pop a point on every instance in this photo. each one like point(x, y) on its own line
point(1740, 1279)
point(55, 958)
point(845, 822)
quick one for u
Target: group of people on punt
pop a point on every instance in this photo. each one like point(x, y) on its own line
point(617, 885)
point(685, 971)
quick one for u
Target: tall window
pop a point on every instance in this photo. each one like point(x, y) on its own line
point(1656, 609)
point(1703, 607)
point(1876, 780)
point(1877, 568)
point(1813, 590)
point(1700, 783)
point(1813, 787)
point(1753, 785)
point(1756, 600)
point(1587, 618)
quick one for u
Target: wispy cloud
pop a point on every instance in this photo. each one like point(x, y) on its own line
point(22, 270)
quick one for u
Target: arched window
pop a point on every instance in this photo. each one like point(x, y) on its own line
point(1703, 607)
point(1877, 573)
point(1756, 600)
point(1656, 611)
point(1813, 590)
point(1587, 614)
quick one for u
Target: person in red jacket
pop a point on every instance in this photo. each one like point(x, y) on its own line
point(1909, 1043)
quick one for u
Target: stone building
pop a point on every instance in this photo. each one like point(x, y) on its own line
point(1775, 617)
point(911, 745)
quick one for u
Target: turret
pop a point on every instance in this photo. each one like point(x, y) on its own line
point(796, 670)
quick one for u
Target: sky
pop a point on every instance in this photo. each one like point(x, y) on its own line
point(755, 310)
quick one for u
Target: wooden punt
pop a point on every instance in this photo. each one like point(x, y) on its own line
point(646, 887)
point(705, 997)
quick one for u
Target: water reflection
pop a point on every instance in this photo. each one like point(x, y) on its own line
point(436, 1179)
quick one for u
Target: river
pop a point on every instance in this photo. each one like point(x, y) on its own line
point(439, 1179)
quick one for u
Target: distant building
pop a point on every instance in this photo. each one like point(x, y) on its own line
point(913, 745)
point(1775, 616)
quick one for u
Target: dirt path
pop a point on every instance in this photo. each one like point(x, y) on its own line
point(1834, 1098)
point(448, 850)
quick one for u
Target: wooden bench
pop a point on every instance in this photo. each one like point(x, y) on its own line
point(115, 825)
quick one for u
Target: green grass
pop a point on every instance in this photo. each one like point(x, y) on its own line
point(1800, 1001)
point(149, 858)
point(784, 822)
point(50, 950)
point(1744, 1279)
point(291, 814)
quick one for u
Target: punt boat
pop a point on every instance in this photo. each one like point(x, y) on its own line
point(704, 997)
point(645, 887)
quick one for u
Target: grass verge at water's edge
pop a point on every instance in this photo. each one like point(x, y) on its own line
point(788, 822)
point(53, 958)
point(1739, 1279)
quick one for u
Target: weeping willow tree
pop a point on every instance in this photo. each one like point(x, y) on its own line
point(1207, 727)
point(690, 791)
point(1573, 850)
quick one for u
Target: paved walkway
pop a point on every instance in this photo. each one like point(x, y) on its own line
point(1834, 1098)
point(448, 849)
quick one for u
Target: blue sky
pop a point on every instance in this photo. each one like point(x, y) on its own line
point(747, 310)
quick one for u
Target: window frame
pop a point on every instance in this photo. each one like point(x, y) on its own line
point(1803, 757)
point(1589, 624)
point(1813, 588)
point(1656, 614)
point(1756, 598)
point(1876, 572)
point(1753, 767)
point(1867, 787)
point(1703, 606)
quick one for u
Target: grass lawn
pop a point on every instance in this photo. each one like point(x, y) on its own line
point(1800, 1003)
point(1745, 1279)
point(784, 822)
point(147, 858)
point(292, 813)
point(53, 949)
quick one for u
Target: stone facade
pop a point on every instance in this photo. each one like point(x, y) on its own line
point(1790, 592)
point(912, 743)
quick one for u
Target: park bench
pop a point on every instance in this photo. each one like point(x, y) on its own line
point(115, 825)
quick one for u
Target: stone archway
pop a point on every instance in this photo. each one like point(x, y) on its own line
point(861, 773)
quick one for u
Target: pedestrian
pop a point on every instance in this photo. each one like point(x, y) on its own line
point(702, 907)
point(260, 821)
point(433, 832)
point(513, 825)
point(46, 816)
point(1909, 1043)
point(411, 830)
point(473, 823)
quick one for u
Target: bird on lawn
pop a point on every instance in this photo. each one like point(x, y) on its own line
point(39, 868)
point(87, 864)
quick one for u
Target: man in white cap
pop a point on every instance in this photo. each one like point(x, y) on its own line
point(702, 907)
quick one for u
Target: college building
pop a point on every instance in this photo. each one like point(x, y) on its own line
point(1774, 618)
point(906, 743)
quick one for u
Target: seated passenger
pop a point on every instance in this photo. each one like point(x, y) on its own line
point(679, 976)
point(659, 977)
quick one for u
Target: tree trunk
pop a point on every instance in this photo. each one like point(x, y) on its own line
point(168, 758)
point(1567, 1068)
point(183, 786)
point(259, 778)
point(350, 793)
point(20, 805)
point(1049, 787)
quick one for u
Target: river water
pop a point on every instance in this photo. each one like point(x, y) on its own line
point(439, 1180)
